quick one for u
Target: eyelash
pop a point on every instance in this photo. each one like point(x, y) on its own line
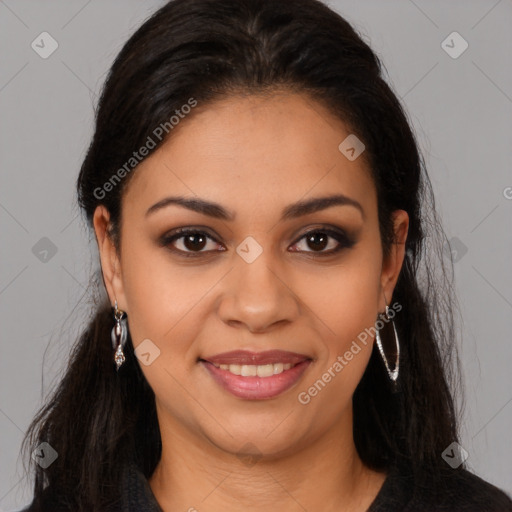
point(343, 240)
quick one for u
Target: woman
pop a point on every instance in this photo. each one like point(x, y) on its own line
point(272, 335)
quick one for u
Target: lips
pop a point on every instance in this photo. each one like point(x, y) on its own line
point(245, 357)
point(256, 375)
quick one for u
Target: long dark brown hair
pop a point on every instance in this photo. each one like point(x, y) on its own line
point(99, 420)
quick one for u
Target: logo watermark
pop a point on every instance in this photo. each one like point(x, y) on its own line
point(304, 397)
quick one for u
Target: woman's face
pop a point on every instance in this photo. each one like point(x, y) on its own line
point(257, 273)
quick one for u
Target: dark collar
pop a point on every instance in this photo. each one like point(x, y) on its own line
point(136, 494)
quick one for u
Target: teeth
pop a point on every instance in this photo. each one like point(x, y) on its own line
point(278, 368)
point(251, 370)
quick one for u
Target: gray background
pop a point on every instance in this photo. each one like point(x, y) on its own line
point(461, 110)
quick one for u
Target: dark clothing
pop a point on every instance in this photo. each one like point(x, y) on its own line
point(464, 492)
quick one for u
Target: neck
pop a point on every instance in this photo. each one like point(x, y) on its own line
point(325, 475)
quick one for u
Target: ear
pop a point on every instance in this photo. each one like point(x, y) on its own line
point(110, 261)
point(393, 264)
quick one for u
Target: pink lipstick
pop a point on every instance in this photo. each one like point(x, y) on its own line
point(256, 375)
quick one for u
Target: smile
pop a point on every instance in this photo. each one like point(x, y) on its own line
point(250, 370)
point(256, 382)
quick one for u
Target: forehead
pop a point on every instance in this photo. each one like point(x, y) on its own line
point(251, 153)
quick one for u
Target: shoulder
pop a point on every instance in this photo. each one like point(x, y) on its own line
point(456, 490)
point(134, 494)
point(460, 491)
point(53, 501)
point(463, 490)
point(45, 504)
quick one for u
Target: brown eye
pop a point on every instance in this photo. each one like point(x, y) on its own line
point(317, 240)
point(320, 239)
point(194, 242)
point(190, 242)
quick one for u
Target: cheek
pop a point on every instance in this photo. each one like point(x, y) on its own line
point(162, 300)
point(347, 349)
point(162, 304)
point(347, 301)
point(346, 304)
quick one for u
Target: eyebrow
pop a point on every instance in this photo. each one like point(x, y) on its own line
point(292, 211)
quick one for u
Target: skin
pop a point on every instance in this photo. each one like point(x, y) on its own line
point(254, 156)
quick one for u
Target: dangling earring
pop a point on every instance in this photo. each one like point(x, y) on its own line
point(119, 335)
point(393, 374)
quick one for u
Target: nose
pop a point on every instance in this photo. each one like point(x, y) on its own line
point(257, 296)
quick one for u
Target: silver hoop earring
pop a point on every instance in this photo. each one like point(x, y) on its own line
point(393, 374)
point(119, 335)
